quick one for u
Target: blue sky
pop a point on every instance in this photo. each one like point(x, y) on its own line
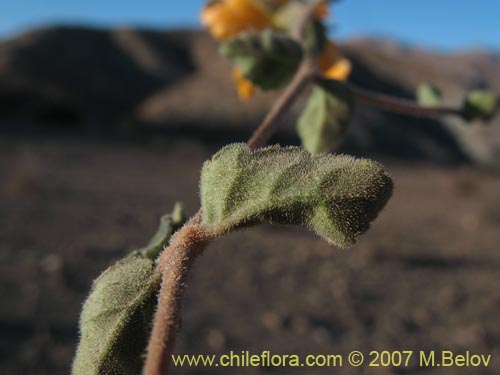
point(438, 24)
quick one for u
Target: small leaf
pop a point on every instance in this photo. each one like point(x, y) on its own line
point(315, 37)
point(315, 32)
point(116, 318)
point(168, 225)
point(325, 120)
point(335, 196)
point(268, 59)
point(480, 104)
point(428, 95)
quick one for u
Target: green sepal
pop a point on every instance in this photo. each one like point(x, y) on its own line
point(336, 196)
point(324, 122)
point(268, 59)
point(480, 105)
point(116, 318)
point(428, 95)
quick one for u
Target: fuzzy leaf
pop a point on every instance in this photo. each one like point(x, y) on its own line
point(480, 104)
point(428, 95)
point(268, 59)
point(116, 318)
point(325, 120)
point(336, 196)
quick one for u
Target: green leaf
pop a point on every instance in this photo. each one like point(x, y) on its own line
point(315, 37)
point(428, 95)
point(335, 196)
point(116, 318)
point(480, 104)
point(315, 33)
point(268, 58)
point(168, 225)
point(326, 118)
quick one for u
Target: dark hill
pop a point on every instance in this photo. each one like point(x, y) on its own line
point(176, 80)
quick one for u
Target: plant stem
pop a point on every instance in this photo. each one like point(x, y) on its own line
point(188, 243)
point(302, 78)
point(398, 105)
point(174, 264)
point(270, 123)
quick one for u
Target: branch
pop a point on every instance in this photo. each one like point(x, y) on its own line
point(302, 78)
point(393, 104)
point(174, 264)
point(270, 123)
point(188, 243)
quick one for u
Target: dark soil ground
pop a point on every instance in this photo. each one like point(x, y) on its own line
point(425, 277)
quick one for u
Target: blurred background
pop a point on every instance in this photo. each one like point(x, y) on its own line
point(107, 111)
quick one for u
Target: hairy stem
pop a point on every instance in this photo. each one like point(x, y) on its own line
point(270, 123)
point(189, 242)
point(302, 78)
point(174, 264)
point(398, 105)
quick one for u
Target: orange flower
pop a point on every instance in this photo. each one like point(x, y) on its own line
point(332, 64)
point(245, 88)
point(226, 18)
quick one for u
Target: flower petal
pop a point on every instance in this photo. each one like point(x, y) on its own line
point(332, 64)
point(227, 18)
point(340, 70)
point(245, 88)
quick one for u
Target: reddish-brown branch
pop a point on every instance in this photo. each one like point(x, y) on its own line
point(188, 243)
point(271, 122)
point(403, 106)
point(174, 264)
point(302, 78)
